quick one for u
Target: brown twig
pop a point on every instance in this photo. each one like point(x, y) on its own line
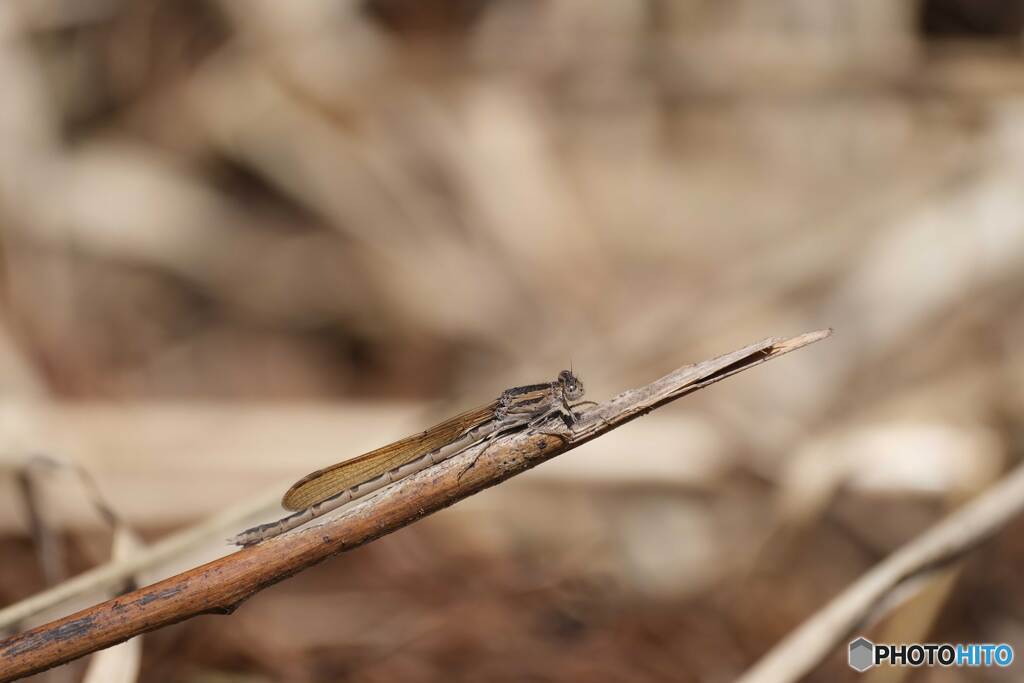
point(116, 573)
point(220, 586)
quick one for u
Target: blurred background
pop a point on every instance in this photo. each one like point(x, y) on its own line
point(243, 240)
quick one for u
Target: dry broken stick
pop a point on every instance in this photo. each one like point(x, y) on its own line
point(220, 586)
point(111, 576)
point(868, 598)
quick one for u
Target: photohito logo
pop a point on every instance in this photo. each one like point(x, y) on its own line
point(864, 654)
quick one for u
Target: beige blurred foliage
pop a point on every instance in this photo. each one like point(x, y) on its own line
point(242, 240)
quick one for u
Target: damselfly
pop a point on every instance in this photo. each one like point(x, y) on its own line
point(328, 489)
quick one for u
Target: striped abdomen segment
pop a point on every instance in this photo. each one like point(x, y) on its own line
point(293, 521)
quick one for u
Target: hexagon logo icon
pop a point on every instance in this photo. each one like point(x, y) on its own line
point(862, 654)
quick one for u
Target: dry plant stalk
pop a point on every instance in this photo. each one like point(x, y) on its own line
point(110, 576)
point(220, 586)
point(868, 598)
